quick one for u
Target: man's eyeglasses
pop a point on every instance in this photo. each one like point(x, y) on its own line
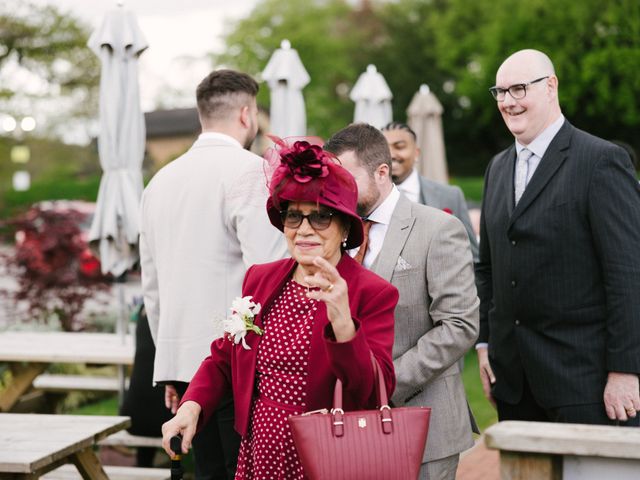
point(317, 220)
point(517, 91)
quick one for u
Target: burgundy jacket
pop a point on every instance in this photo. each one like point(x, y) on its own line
point(372, 301)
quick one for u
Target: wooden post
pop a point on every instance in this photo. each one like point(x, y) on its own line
point(21, 382)
point(529, 466)
point(88, 465)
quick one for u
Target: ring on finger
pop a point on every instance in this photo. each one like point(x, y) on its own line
point(329, 288)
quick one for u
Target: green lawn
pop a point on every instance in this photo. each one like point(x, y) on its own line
point(471, 186)
point(51, 189)
point(483, 411)
point(107, 406)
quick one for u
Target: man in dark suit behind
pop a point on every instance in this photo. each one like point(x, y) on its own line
point(404, 154)
point(559, 271)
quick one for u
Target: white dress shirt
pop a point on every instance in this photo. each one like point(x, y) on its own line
point(381, 217)
point(539, 146)
point(411, 186)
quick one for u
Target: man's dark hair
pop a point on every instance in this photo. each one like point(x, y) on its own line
point(222, 91)
point(400, 126)
point(367, 142)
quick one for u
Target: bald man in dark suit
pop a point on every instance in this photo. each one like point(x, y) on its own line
point(559, 270)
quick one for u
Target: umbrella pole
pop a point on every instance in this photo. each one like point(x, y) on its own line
point(121, 331)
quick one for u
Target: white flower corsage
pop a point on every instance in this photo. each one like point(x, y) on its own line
point(243, 311)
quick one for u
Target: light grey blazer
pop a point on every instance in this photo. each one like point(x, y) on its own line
point(437, 195)
point(203, 223)
point(426, 255)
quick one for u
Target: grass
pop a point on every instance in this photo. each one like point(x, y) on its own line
point(106, 406)
point(483, 411)
point(471, 186)
point(63, 188)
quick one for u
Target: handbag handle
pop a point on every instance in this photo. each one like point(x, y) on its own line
point(381, 398)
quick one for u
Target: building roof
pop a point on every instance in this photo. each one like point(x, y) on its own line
point(174, 122)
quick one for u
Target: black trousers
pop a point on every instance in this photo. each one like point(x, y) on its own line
point(528, 409)
point(216, 445)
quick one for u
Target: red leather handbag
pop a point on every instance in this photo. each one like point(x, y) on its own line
point(383, 444)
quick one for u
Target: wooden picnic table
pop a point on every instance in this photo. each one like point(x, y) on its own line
point(30, 353)
point(33, 444)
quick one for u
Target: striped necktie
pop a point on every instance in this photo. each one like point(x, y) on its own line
point(522, 173)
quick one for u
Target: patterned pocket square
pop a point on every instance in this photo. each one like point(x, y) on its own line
point(402, 264)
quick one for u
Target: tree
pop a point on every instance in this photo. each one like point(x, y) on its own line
point(55, 271)
point(455, 46)
point(595, 47)
point(332, 50)
point(45, 65)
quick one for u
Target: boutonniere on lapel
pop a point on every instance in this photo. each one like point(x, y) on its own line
point(447, 210)
point(236, 326)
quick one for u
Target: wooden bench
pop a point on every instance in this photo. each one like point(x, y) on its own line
point(553, 451)
point(66, 383)
point(32, 445)
point(69, 472)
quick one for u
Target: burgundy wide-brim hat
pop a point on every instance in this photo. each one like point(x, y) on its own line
point(306, 173)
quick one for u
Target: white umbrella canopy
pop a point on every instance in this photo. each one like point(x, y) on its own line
point(372, 97)
point(425, 118)
point(286, 76)
point(121, 142)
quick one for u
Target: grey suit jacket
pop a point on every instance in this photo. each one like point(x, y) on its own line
point(437, 195)
point(426, 255)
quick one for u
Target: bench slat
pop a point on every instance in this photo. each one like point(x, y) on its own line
point(124, 438)
point(66, 383)
point(70, 472)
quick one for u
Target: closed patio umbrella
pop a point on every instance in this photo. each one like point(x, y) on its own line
point(119, 42)
point(286, 76)
point(121, 142)
point(425, 118)
point(372, 97)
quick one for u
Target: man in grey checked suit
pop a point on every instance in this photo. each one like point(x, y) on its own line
point(559, 272)
point(425, 253)
point(404, 154)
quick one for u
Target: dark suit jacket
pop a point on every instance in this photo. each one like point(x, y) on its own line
point(372, 301)
point(559, 275)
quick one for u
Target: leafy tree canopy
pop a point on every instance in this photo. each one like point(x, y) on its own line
point(46, 69)
point(454, 46)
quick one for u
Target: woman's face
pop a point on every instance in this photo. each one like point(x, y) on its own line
point(306, 242)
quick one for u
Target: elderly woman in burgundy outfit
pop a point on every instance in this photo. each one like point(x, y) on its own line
point(322, 316)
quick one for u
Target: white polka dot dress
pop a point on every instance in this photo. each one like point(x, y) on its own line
point(267, 451)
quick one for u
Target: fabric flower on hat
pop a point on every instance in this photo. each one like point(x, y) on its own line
point(305, 161)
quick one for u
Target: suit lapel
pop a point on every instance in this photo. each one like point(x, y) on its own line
point(397, 234)
point(553, 158)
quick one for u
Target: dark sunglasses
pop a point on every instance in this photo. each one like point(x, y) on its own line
point(317, 220)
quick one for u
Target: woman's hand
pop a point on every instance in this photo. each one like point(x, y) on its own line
point(334, 293)
point(184, 423)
